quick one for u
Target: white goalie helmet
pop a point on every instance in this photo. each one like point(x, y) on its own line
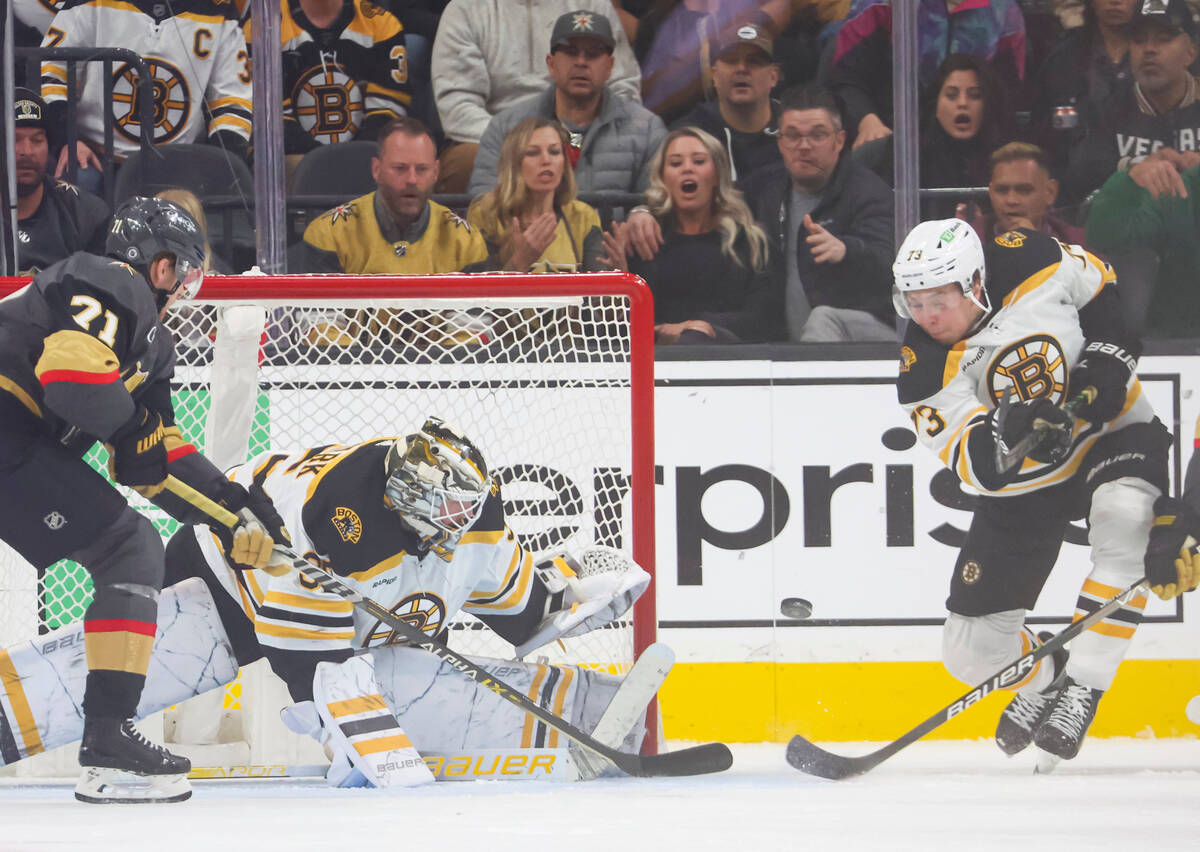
point(437, 482)
point(937, 253)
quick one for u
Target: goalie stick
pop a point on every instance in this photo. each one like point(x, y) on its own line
point(814, 760)
point(697, 760)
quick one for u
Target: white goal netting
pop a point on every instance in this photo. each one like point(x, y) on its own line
point(550, 376)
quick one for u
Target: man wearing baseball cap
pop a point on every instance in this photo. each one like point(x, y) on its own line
point(744, 116)
point(54, 218)
point(1159, 119)
point(612, 140)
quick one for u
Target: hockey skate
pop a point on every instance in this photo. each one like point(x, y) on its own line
point(1067, 723)
point(1026, 712)
point(122, 766)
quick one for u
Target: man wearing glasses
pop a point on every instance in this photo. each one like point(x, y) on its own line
point(830, 225)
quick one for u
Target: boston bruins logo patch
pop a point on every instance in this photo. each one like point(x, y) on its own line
point(1034, 367)
point(1011, 239)
point(348, 524)
point(172, 101)
point(907, 358)
point(971, 572)
point(423, 610)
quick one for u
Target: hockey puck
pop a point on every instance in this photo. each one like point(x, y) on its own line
point(795, 608)
point(1192, 711)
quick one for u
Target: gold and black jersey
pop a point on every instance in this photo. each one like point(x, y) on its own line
point(1026, 346)
point(80, 343)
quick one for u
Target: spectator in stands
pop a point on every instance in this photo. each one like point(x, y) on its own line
point(710, 276)
point(1153, 206)
point(54, 219)
point(1084, 73)
point(345, 72)
point(1160, 117)
point(395, 229)
point(532, 221)
point(612, 140)
point(964, 121)
point(486, 59)
point(744, 117)
point(197, 55)
point(830, 226)
point(31, 19)
point(862, 65)
point(1022, 192)
point(677, 39)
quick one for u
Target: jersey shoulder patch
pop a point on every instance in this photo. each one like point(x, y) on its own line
point(922, 366)
point(1015, 257)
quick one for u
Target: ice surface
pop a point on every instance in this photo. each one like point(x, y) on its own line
point(1131, 795)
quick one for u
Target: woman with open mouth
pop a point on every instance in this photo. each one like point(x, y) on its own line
point(532, 221)
point(709, 277)
point(965, 119)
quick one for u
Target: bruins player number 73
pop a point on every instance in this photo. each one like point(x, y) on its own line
point(85, 358)
point(1035, 321)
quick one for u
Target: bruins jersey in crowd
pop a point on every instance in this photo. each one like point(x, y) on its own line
point(195, 52)
point(65, 222)
point(1047, 298)
point(348, 239)
point(344, 81)
point(331, 500)
point(578, 241)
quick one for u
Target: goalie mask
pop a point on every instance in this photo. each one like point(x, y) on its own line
point(937, 253)
point(437, 482)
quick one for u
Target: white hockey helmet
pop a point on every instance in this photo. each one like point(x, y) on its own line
point(437, 482)
point(937, 253)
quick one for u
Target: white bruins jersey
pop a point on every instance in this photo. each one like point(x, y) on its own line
point(331, 500)
point(195, 51)
point(1029, 343)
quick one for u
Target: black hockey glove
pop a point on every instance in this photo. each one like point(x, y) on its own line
point(136, 455)
point(1106, 367)
point(251, 543)
point(1044, 417)
point(1171, 566)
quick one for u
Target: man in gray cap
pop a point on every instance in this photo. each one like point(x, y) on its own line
point(744, 117)
point(612, 139)
point(54, 218)
point(486, 58)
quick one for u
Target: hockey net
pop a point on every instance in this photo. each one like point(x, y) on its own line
point(551, 376)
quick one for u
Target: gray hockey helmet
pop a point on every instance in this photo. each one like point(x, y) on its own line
point(145, 228)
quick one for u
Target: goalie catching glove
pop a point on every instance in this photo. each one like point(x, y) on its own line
point(585, 593)
point(1172, 567)
point(251, 544)
point(1107, 367)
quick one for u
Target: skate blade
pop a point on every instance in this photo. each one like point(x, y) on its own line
point(100, 786)
point(1046, 762)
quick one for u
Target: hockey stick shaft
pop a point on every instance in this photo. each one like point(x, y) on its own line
point(807, 757)
point(698, 760)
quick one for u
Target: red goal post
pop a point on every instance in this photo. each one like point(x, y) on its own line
point(551, 375)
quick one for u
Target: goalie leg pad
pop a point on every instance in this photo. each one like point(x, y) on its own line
point(47, 675)
point(363, 733)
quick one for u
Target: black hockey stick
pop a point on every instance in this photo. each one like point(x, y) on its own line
point(697, 760)
point(1009, 457)
point(814, 760)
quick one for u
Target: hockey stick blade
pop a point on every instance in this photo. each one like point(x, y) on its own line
point(814, 760)
point(697, 760)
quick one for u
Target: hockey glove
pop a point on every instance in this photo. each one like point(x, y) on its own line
point(597, 588)
point(1039, 416)
point(1171, 566)
point(1107, 367)
point(251, 544)
point(136, 455)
